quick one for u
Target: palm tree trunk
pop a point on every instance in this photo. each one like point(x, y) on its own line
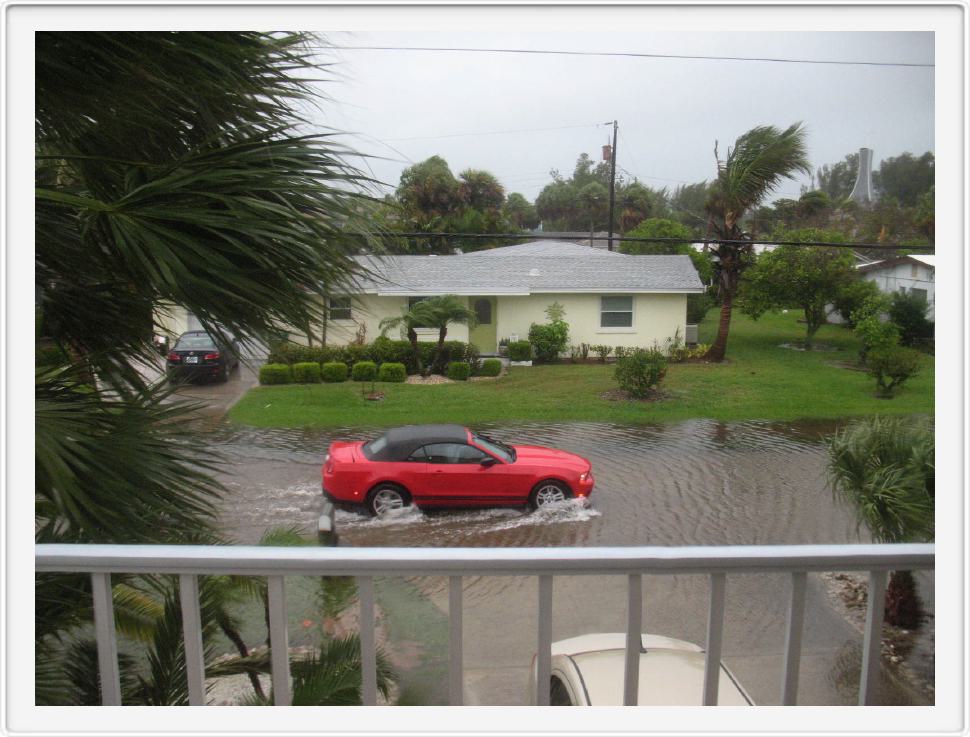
point(413, 338)
point(442, 332)
point(233, 634)
point(719, 348)
point(902, 603)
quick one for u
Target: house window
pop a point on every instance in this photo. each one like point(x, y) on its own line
point(921, 293)
point(616, 312)
point(340, 308)
point(914, 271)
point(483, 311)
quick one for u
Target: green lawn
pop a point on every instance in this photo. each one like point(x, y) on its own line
point(761, 381)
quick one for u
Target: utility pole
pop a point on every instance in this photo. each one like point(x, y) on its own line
point(609, 243)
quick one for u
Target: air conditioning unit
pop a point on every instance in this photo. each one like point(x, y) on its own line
point(690, 335)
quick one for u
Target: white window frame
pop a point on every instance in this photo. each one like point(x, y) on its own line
point(633, 315)
point(349, 308)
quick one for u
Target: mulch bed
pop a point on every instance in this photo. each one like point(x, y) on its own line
point(621, 395)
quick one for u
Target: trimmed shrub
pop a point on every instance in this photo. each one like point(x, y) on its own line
point(639, 371)
point(602, 351)
point(473, 357)
point(275, 373)
point(491, 367)
point(549, 340)
point(890, 367)
point(364, 371)
point(520, 350)
point(306, 373)
point(459, 371)
point(908, 313)
point(333, 372)
point(392, 373)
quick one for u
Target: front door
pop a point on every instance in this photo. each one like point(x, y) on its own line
point(483, 334)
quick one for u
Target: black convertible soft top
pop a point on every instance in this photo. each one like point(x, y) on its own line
point(400, 442)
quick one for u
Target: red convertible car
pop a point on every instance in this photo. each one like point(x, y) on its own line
point(449, 466)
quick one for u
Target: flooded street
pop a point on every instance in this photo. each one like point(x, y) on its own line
point(694, 483)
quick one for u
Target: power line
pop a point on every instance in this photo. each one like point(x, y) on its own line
point(712, 241)
point(638, 55)
point(494, 133)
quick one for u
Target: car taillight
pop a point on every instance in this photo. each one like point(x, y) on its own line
point(211, 356)
point(173, 356)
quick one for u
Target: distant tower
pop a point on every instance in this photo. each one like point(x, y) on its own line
point(862, 191)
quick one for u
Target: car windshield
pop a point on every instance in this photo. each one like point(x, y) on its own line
point(503, 451)
point(194, 342)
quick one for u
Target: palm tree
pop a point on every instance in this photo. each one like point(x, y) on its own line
point(441, 312)
point(760, 159)
point(885, 468)
point(409, 319)
point(170, 168)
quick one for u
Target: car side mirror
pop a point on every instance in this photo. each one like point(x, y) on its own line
point(486, 462)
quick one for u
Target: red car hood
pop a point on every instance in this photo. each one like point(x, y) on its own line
point(540, 455)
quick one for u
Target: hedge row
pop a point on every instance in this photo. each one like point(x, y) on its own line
point(333, 372)
point(382, 350)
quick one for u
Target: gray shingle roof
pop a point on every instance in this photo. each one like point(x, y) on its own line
point(528, 270)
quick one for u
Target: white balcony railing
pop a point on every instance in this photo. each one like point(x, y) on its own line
point(189, 562)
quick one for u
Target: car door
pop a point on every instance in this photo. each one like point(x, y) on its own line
point(457, 477)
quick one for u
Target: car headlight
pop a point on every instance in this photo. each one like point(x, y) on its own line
point(584, 476)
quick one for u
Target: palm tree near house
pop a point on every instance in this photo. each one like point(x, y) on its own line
point(885, 468)
point(410, 318)
point(758, 162)
point(443, 311)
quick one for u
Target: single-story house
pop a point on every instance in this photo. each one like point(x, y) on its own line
point(910, 274)
point(609, 298)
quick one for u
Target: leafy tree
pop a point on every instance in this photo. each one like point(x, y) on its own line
point(586, 172)
point(885, 468)
point(636, 203)
point(480, 191)
point(852, 296)
point(837, 180)
point(757, 163)
point(558, 205)
point(798, 276)
point(905, 178)
point(688, 202)
point(663, 228)
point(428, 189)
point(170, 168)
point(892, 366)
point(520, 212)
point(925, 218)
point(594, 201)
point(908, 312)
point(814, 207)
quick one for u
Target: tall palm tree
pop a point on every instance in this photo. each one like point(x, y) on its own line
point(758, 162)
point(885, 468)
point(170, 168)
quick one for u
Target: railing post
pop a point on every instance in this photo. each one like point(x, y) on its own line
point(279, 641)
point(456, 676)
point(368, 646)
point(872, 642)
point(104, 627)
point(192, 634)
point(634, 625)
point(715, 628)
point(793, 639)
point(544, 650)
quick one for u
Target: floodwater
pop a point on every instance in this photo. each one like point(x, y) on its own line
point(699, 482)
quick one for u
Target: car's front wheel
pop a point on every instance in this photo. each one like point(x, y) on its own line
point(386, 498)
point(548, 492)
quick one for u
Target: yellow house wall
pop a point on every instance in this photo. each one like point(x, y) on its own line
point(369, 310)
point(171, 320)
point(656, 317)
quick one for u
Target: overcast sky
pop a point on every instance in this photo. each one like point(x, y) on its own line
point(670, 111)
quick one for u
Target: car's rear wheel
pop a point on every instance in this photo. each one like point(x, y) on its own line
point(548, 492)
point(385, 498)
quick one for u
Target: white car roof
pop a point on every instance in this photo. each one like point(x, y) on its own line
point(671, 671)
